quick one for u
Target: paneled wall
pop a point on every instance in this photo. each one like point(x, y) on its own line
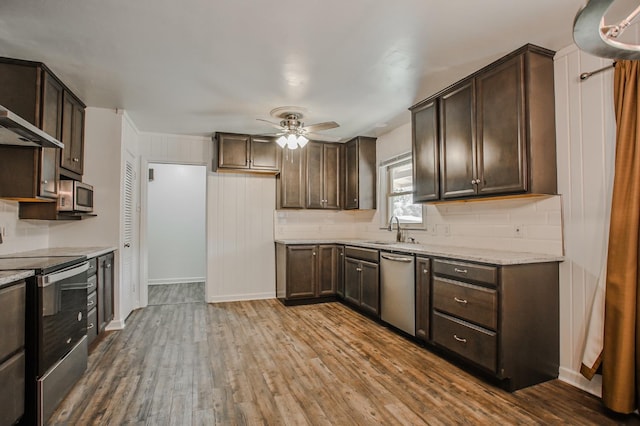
point(240, 249)
point(586, 150)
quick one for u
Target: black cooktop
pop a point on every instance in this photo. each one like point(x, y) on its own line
point(41, 265)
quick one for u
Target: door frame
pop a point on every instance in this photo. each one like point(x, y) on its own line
point(144, 212)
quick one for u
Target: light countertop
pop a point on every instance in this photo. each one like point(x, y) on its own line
point(494, 257)
point(88, 252)
point(9, 277)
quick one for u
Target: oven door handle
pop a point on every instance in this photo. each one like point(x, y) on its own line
point(47, 280)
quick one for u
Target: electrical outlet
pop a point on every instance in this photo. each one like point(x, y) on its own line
point(518, 231)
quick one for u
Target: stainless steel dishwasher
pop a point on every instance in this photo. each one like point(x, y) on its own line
point(397, 291)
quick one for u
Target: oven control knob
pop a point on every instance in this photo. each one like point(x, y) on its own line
point(79, 316)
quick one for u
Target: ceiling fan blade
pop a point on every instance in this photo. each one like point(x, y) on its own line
point(319, 137)
point(276, 125)
point(321, 126)
point(271, 134)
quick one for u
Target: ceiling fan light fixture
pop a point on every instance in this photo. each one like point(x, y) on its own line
point(282, 141)
point(292, 141)
point(302, 141)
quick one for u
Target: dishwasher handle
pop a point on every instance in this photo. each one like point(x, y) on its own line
point(397, 258)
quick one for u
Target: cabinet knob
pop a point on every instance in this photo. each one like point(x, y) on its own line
point(45, 181)
point(108, 265)
point(355, 200)
point(76, 160)
point(425, 271)
point(314, 253)
point(359, 269)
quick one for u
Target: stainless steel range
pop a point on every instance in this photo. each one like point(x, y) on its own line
point(56, 342)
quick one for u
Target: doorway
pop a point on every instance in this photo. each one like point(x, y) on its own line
point(176, 233)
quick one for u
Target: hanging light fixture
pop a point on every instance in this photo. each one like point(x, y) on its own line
point(292, 141)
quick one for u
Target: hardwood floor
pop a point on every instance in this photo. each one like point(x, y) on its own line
point(169, 294)
point(259, 362)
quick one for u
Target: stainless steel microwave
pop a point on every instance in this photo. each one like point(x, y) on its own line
point(75, 196)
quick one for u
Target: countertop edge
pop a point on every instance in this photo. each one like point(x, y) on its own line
point(489, 256)
point(10, 277)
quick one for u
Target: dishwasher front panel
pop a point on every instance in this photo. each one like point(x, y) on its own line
point(397, 291)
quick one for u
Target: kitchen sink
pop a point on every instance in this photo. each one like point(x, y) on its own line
point(385, 243)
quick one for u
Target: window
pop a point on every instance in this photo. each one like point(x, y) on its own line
point(397, 184)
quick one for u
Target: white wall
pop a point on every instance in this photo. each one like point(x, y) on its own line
point(586, 150)
point(176, 228)
point(240, 249)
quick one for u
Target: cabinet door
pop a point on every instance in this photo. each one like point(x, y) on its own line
point(72, 134)
point(233, 151)
point(426, 177)
point(51, 114)
point(423, 292)
point(49, 160)
point(340, 271)
point(105, 291)
point(315, 198)
point(265, 154)
point(301, 271)
point(292, 186)
point(370, 300)
point(352, 272)
point(327, 270)
point(501, 129)
point(331, 176)
point(457, 164)
point(351, 175)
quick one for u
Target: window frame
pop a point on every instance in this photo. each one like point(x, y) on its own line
point(385, 194)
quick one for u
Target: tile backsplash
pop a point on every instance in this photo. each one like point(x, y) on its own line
point(20, 235)
point(527, 224)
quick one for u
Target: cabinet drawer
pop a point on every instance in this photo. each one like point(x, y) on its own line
point(466, 271)
point(92, 284)
point(362, 254)
point(12, 389)
point(471, 302)
point(474, 343)
point(92, 301)
point(92, 325)
point(93, 266)
point(12, 313)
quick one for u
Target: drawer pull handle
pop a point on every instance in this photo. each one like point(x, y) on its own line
point(91, 303)
point(460, 339)
point(90, 326)
point(463, 301)
point(460, 271)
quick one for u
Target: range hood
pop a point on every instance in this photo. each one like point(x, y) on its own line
point(14, 130)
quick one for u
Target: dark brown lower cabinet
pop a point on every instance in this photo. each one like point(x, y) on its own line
point(502, 319)
point(423, 297)
point(362, 279)
point(308, 272)
point(105, 290)
point(12, 355)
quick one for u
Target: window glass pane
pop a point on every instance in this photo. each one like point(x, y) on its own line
point(401, 178)
point(402, 206)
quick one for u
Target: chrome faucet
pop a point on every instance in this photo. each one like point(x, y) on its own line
point(399, 232)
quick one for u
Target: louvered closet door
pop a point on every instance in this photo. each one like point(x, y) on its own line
point(127, 287)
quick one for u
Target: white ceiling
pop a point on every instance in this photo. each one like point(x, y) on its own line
point(200, 66)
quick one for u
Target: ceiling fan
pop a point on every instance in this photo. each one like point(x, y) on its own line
point(293, 132)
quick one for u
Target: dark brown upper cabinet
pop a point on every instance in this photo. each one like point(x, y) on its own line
point(32, 91)
point(246, 153)
point(426, 161)
point(290, 183)
point(360, 173)
point(323, 175)
point(72, 135)
point(496, 131)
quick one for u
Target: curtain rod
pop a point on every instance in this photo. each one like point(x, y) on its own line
point(586, 75)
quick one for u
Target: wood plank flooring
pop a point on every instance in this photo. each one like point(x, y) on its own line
point(169, 294)
point(258, 362)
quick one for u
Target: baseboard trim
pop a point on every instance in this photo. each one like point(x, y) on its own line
point(115, 325)
point(241, 297)
point(183, 280)
point(574, 378)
